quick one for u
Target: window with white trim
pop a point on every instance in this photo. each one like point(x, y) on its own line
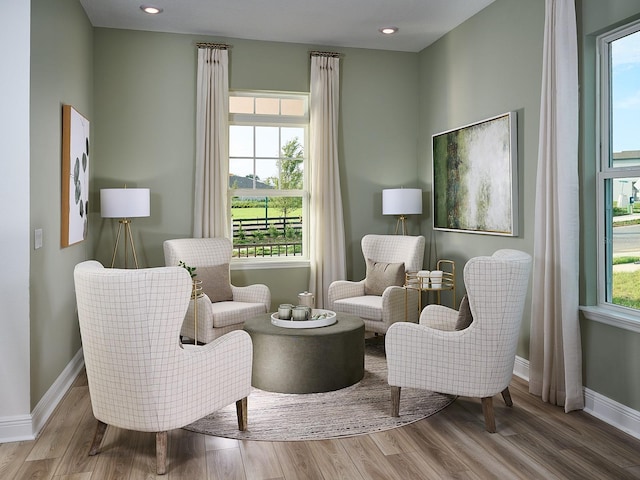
point(619, 170)
point(268, 138)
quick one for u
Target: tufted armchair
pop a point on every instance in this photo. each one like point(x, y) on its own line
point(140, 376)
point(224, 307)
point(374, 299)
point(443, 354)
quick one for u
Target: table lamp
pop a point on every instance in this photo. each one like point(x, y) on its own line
point(402, 202)
point(124, 204)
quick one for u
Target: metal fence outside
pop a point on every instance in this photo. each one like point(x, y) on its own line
point(267, 237)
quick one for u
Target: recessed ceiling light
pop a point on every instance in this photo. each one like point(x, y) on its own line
point(150, 9)
point(388, 30)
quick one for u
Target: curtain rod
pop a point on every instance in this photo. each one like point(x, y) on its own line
point(325, 54)
point(221, 46)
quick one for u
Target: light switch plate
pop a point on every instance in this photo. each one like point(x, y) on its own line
point(37, 239)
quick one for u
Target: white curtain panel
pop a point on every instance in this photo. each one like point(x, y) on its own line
point(326, 228)
point(555, 367)
point(212, 132)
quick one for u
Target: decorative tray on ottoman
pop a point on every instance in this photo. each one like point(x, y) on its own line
point(319, 318)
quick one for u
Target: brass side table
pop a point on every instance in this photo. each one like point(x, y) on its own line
point(422, 284)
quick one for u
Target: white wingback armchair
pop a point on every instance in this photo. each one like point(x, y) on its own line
point(380, 311)
point(216, 316)
point(476, 361)
point(140, 376)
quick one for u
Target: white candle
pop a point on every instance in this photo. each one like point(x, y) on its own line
point(436, 278)
point(423, 277)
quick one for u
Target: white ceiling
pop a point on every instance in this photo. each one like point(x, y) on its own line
point(339, 23)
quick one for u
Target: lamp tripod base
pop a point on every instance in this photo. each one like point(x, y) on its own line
point(401, 223)
point(127, 236)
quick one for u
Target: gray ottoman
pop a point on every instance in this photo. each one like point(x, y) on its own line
point(309, 360)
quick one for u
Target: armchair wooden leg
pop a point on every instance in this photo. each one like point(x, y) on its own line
point(97, 438)
point(395, 401)
point(161, 453)
point(241, 409)
point(506, 395)
point(489, 418)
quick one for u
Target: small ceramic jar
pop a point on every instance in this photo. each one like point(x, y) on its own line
point(284, 311)
point(300, 313)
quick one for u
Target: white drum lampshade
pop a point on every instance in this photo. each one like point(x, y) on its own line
point(124, 202)
point(402, 202)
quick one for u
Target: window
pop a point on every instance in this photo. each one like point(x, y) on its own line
point(619, 170)
point(268, 138)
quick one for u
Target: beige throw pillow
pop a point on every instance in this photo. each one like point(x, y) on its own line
point(464, 314)
point(215, 282)
point(381, 275)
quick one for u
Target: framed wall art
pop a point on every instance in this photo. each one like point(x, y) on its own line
point(75, 176)
point(475, 177)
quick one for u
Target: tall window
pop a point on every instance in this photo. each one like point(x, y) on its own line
point(619, 170)
point(267, 175)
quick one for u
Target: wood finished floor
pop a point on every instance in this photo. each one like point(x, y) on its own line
point(534, 441)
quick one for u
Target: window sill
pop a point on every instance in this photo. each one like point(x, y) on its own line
point(612, 317)
point(252, 264)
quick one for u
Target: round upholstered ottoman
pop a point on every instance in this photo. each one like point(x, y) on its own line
point(306, 360)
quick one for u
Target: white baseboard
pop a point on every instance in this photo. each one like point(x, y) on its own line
point(27, 427)
point(521, 368)
point(16, 429)
point(612, 412)
point(601, 407)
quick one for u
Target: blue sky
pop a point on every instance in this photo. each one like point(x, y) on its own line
point(626, 93)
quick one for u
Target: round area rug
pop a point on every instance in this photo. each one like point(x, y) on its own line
point(359, 409)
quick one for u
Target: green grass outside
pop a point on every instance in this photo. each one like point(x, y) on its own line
point(625, 289)
point(623, 260)
point(259, 212)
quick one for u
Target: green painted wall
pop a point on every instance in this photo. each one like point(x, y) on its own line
point(492, 64)
point(489, 65)
point(611, 359)
point(61, 73)
point(138, 90)
point(144, 134)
